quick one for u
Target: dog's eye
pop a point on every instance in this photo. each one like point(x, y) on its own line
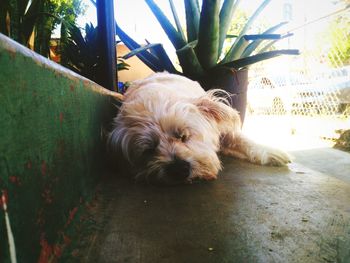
point(149, 151)
point(181, 136)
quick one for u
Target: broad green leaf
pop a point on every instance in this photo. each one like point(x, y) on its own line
point(208, 35)
point(192, 19)
point(189, 62)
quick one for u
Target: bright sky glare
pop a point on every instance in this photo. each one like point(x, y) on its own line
point(136, 19)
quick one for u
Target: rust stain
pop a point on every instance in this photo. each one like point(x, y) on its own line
point(61, 148)
point(71, 87)
point(46, 250)
point(12, 53)
point(15, 180)
point(61, 117)
point(57, 250)
point(71, 216)
point(43, 168)
point(52, 253)
point(66, 239)
point(86, 82)
point(4, 198)
point(47, 196)
point(29, 164)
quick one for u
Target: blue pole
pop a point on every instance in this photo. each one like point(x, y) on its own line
point(107, 72)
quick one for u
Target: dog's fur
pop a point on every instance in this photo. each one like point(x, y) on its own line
point(169, 130)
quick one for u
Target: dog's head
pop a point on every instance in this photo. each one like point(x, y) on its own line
point(169, 141)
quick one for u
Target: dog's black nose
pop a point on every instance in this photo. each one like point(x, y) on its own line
point(178, 169)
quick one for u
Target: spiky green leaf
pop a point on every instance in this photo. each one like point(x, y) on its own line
point(208, 35)
point(271, 43)
point(192, 19)
point(176, 19)
point(232, 53)
point(161, 55)
point(252, 46)
point(189, 61)
point(245, 62)
point(226, 14)
point(169, 29)
point(146, 57)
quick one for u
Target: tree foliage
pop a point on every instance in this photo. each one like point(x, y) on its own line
point(339, 37)
point(31, 22)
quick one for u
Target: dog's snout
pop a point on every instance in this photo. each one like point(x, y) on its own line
point(178, 169)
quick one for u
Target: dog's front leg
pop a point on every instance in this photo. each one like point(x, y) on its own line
point(237, 145)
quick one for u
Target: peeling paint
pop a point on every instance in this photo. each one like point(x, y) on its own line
point(50, 150)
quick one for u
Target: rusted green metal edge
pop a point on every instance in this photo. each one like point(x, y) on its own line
point(51, 150)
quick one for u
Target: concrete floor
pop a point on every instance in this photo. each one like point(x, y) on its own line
point(250, 214)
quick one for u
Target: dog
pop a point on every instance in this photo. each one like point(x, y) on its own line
point(170, 131)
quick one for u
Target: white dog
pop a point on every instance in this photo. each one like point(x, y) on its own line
point(169, 130)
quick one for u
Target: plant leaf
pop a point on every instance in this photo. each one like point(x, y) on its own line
point(262, 37)
point(271, 43)
point(232, 53)
point(226, 14)
point(244, 62)
point(208, 35)
point(252, 46)
point(159, 51)
point(176, 19)
point(138, 50)
point(192, 19)
point(169, 29)
point(189, 62)
point(22, 5)
point(145, 57)
point(4, 9)
point(30, 18)
point(162, 56)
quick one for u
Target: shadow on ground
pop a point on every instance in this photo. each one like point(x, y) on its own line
point(250, 214)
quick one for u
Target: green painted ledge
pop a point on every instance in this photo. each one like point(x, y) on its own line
point(51, 150)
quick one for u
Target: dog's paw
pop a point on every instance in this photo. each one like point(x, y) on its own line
point(275, 157)
point(205, 177)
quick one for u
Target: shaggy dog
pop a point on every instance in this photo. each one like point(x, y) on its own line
point(169, 131)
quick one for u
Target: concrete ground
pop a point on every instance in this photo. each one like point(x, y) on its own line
point(250, 214)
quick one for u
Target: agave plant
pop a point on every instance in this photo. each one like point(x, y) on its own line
point(81, 53)
point(199, 48)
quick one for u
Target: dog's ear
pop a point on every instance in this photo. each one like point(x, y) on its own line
point(211, 109)
point(217, 109)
